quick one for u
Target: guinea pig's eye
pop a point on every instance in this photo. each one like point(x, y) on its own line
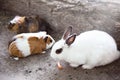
point(58, 51)
point(50, 40)
point(13, 24)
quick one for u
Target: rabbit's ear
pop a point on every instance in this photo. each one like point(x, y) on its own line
point(67, 33)
point(71, 39)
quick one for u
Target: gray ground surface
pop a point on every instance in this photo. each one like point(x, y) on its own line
point(43, 67)
point(96, 15)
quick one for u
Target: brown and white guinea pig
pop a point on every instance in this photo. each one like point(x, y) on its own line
point(25, 44)
point(26, 24)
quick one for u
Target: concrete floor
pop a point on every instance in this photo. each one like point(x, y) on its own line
point(43, 67)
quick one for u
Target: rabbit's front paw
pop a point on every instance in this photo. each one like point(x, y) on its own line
point(74, 65)
point(85, 66)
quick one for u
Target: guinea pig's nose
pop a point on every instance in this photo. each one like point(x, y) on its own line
point(9, 23)
point(9, 26)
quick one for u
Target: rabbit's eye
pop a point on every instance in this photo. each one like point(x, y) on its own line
point(58, 51)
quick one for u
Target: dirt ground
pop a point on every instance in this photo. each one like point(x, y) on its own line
point(43, 67)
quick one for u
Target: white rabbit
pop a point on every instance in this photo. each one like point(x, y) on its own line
point(89, 49)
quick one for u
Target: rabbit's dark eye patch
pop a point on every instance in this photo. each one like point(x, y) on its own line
point(58, 51)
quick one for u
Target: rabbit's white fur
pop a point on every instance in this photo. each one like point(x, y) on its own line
point(90, 49)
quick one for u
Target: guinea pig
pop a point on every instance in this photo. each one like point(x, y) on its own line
point(25, 44)
point(26, 24)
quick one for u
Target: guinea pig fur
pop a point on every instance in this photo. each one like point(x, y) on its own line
point(26, 44)
point(25, 24)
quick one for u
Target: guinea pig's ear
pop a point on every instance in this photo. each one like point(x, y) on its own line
point(21, 20)
point(70, 39)
point(26, 19)
point(67, 32)
point(46, 38)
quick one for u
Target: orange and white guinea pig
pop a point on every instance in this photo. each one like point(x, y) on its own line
point(25, 44)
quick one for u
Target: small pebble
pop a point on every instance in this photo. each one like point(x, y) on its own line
point(49, 64)
point(28, 71)
point(39, 68)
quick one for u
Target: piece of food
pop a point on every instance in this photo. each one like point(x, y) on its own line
point(59, 65)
